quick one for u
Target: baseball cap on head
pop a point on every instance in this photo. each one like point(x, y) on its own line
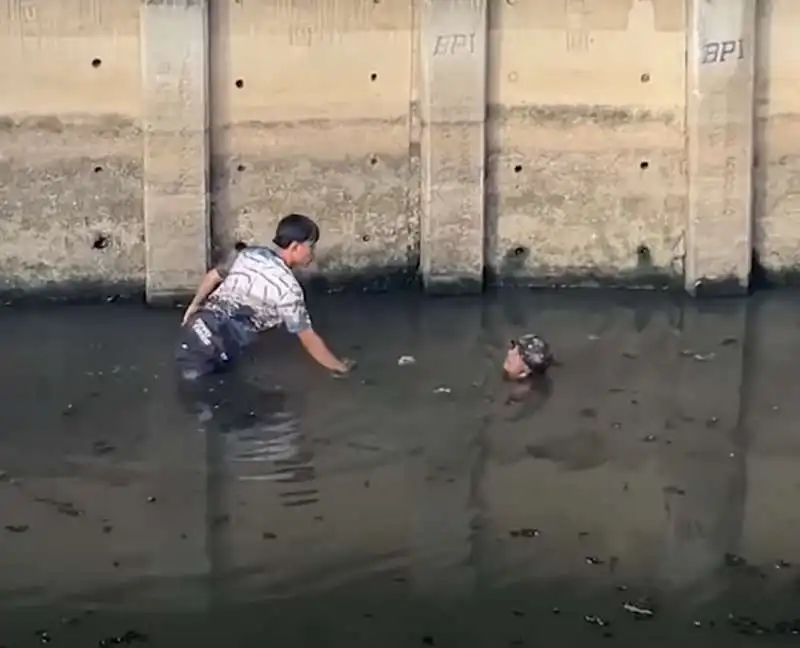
point(535, 352)
point(295, 228)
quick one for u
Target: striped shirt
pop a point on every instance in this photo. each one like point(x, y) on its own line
point(258, 292)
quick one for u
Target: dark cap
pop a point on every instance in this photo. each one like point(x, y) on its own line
point(535, 352)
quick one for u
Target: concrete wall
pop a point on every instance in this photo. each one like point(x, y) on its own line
point(548, 141)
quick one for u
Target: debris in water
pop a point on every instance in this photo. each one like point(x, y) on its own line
point(782, 564)
point(69, 409)
point(151, 500)
point(704, 357)
point(728, 341)
point(595, 620)
point(616, 425)
point(732, 560)
point(442, 390)
point(131, 636)
point(268, 535)
point(622, 588)
point(712, 422)
point(107, 528)
point(638, 610)
point(593, 336)
point(674, 490)
point(594, 560)
point(427, 640)
point(697, 624)
point(650, 438)
point(100, 448)
point(629, 356)
point(518, 613)
point(3, 476)
point(583, 534)
point(405, 360)
point(44, 636)
point(17, 528)
point(556, 610)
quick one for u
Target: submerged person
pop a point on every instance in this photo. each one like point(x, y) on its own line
point(252, 291)
point(526, 364)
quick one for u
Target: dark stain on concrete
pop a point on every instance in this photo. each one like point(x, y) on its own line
point(566, 116)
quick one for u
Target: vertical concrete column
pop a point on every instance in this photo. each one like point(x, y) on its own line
point(453, 69)
point(721, 60)
point(174, 42)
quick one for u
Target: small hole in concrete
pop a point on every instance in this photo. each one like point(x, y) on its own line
point(239, 246)
point(373, 160)
point(643, 254)
point(645, 78)
point(101, 242)
point(519, 251)
point(240, 83)
point(96, 63)
point(644, 165)
point(373, 77)
point(518, 168)
point(365, 238)
point(241, 167)
point(98, 169)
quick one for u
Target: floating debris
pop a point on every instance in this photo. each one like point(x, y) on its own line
point(650, 438)
point(622, 588)
point(674, 490)
point(729, 341)
point(44, 636)
point(595, 620)
point(151, 500)
point(131, 636)
point(17, 528)
point(442, 390)
point(704, 357)
point(732, 560)
point(639, 610)
point(593, 336)
point(525, 532)
point(594, 560)
point(556, 610)
point(712, 422)
point(405, 360)
point(782, 564)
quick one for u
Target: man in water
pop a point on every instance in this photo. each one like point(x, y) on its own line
point(252, 291)
point(527, 357)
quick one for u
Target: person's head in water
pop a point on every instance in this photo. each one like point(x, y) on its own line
point(527, 356)
point(296, 238)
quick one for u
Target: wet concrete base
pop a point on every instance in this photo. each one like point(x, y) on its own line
point(646, 495)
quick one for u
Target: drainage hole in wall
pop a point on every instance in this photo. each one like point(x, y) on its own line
point(239, 246)
point(365, 238)
point(98, 169)
point(645, 78)
point(373, 77)
point(643, 255)
point(101, 242)
point(519, 250)
point(96, 63)
point(373, 160)
point(240, 167)
point(239, 83)
point(644, 165)
point(518, 168)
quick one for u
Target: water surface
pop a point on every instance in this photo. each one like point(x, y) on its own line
point(407, 505)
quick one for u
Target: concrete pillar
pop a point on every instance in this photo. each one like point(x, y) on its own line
point(174, 42)
point(453, 69)
point(721, 70)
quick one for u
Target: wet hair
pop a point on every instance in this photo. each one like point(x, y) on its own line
point(295, 228)
point(535, 353)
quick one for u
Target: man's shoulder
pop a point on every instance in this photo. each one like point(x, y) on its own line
point(268, 264)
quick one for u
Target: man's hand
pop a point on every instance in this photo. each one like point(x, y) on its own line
point(190, 310)
point(347, 365)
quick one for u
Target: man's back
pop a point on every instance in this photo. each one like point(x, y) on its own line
point(256, 291)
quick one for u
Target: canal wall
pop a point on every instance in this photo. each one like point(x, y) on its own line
point(569, 142)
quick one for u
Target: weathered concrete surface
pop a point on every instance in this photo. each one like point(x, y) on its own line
point(70, 147)
point(777, 169)
point(453, 48)
point(586, 157)
point(721, 57)
point(174, 42)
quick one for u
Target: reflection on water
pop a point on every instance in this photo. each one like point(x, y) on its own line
point(652, 478)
